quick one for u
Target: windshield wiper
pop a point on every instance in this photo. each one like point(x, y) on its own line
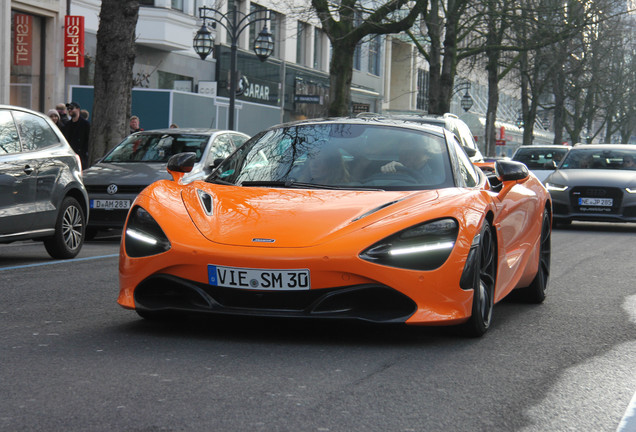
point(301, 185)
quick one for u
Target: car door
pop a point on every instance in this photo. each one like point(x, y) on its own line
point(38, 141)
point(18, 180)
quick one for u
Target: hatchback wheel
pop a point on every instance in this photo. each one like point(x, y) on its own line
point(69, 231)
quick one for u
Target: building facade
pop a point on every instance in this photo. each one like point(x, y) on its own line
point(294, 80)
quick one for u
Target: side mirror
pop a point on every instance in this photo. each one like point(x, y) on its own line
point(180, 164)
point(511, 170)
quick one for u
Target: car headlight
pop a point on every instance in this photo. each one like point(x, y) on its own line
point(144, 236)
point(630, 190)
point(422, 247)
point(555, 187)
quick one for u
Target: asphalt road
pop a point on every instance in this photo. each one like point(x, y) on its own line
point(72, 360)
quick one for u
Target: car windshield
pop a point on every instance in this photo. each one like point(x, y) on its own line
point(340, 155)
point(600, 159)
point(151, 148)
point(540, 158)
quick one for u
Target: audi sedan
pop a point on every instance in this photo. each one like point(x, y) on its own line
point(595, 183)
point(140, 159)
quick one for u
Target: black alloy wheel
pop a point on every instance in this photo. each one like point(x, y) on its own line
point(69, 231)
point(484, 285)
point(535, 292)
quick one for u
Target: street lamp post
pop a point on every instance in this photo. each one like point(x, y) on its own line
point(203, 42)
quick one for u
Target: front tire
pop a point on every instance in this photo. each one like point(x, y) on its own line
point(483, 285)
point(68, 239)
point(535, 292)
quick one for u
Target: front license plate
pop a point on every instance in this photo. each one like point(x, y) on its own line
point(102, 204)
point(259, 279)
point(600, 202)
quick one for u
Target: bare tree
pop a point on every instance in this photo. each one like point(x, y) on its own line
point(114, 62)
point(348, 23)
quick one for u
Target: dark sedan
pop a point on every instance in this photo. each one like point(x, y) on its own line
point(140, 159)
point(595, 183)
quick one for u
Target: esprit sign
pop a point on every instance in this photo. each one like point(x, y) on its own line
point(22, 40)
point(73, 41)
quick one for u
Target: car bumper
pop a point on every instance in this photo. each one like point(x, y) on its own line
point(342, 284)
point(566, 206)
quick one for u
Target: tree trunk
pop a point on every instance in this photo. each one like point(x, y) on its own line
point(115, 58)
point(340, 75)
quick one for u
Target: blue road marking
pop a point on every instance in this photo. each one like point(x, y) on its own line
point(58, 262)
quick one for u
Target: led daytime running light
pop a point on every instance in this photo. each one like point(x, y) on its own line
point(141, 236)
point(422, 248)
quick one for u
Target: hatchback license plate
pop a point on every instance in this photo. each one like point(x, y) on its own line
point(102, 204)
point(600, 202)
point(259, 279)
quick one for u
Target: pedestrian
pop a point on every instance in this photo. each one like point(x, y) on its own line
point(84, 113)
point(174, 126)
point(134, 124)
point(61, 109)
point(55, 118)
point(77, 131)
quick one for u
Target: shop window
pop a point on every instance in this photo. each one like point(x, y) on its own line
point(27, 43)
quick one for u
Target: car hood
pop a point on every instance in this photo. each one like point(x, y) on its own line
point(267, 217)
point(593, 177)
point(125, 173)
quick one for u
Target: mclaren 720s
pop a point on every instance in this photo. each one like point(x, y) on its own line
point(376, 220)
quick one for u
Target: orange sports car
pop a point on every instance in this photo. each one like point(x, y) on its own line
point(376, 220)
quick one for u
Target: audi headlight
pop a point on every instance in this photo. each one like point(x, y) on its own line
point(422, 247)
point(555, 187)
point(144, 236)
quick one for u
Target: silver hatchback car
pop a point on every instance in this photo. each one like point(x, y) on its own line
point(141, 159)
point(42, 196)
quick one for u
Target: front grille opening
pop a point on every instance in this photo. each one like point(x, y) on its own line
point(375, 303)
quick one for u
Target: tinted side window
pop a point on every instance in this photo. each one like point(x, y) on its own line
point(9, 139)
point(35, 132)
point(466, 168)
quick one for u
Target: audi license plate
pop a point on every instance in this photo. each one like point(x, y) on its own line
point(600, 202)
point(102, 204)
point(258, 279)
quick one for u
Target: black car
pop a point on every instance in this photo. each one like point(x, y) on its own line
point(595, 183)
point(42, 195)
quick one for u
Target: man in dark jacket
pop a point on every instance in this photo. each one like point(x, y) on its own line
point(77, 131)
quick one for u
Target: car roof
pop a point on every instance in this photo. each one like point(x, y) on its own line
point(19, 108)
point(200, 131)
point(605, 147)
point(366, 120)
point(543, 147)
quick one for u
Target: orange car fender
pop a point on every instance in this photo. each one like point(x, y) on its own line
point(518, 227)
